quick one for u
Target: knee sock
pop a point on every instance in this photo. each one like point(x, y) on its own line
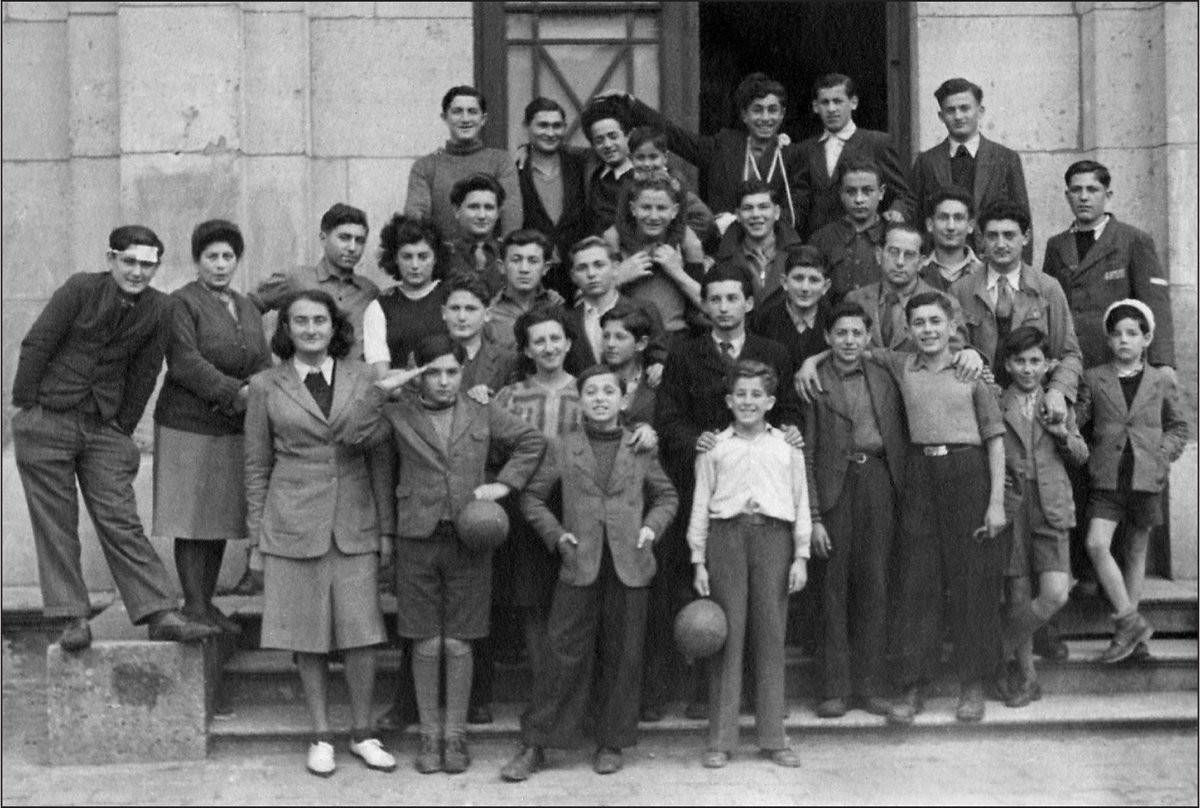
point(426, 656)
point(459, 665)
point(191, 564)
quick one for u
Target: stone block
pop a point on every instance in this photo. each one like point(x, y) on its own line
point(1128, 97)
point(1031, 105)
point(418, 10)
point(1180, 29)
point(392, 110)
point(38, 12)
point(1183, 315)
point(994, 9)
point(378, 187)
point(36, 91)
point(276, 89)
point(1182, 214)
point(1043, 181)
point(95, 86)
point(1139, 188)
point(340, 10)
point(16, 317)
point(36, 222)
point(1183, 512)
point(272, 8)
point(126, 702)
point(95, 209)
point(88, 7)
point(181, 74)
point(276, 220)
point(330, 183)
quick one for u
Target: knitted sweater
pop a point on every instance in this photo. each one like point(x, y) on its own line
point(433, 176)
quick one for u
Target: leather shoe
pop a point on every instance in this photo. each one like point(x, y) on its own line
point(374, 755)
point(1141, 653)
point(607, 761)
point(832, 708)
point(529, 760)
point(873, 705)
point(651, 714)
point(1131, 632)
point(223, 622)
point(905, 710)
point(1026, 692)
point(456, 759)
point(251, 583)
point(76, 636)
point(171, 626)
point(320, 759)
point(1048, 645)
point(714, 759)
point(970, 703)
point(787, 757)
point(429, 759)
point(479, 714)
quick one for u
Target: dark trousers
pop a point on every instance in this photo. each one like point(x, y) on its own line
point(748, 562)
point(941, 564)
point(53, 451)
point(670, 591)
point(604, 616)
point(860, 526)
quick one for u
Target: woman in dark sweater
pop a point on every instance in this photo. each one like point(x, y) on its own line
point(215, 343)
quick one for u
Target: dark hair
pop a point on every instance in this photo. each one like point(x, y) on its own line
point(401, 230)
point(642, 135)
point(805, 256)
point(462, 89)
point(476, 182)
point(751, 188)
point(951, 87)
point(756, 86)
point(1126, 312)
point(860, 165)
point(129, 234)
point(589, 243)
point(343, 330)
point(928, 299)
point(542, 104)
point(1089, 167)
point(635, 320)
point(603, 110)
point(599, 370)
point(1023, 338)
point(752, 369)
point(638, 182)
point(727, 271)
point(216, 231)
point(341, 214)
point(536, 316)
point(848, 308)
point(835, 80)
point(902, 227)
point(469, 282)
point(436, 345)
point(525, 237)
point(1003, 209)
point(952, 193)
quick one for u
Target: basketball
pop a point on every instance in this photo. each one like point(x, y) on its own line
point(482, 525)
point(700, 629)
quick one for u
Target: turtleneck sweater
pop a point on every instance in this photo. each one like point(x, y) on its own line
point(433, 176)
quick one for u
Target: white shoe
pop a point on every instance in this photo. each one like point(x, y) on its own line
point(374, 755)
point(320, 759)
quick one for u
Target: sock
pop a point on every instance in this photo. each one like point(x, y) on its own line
point(425, 681)
point(459, 666)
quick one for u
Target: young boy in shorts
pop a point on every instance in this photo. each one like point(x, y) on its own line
point(1139, 429)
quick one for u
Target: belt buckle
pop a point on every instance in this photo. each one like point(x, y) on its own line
point(857, 457)
point(935, 451)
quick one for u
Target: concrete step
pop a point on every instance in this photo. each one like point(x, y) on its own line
point(285, 728)
point(269, 677)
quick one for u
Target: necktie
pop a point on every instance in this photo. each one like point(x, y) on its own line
point(1004, 300)
point(833, 150)
point(481, 257)
point(595, 334)
point(322, 393)
point(1084, 239)
point(727, 352)
point(227, 300)
point(962, 169)
point(887, 319)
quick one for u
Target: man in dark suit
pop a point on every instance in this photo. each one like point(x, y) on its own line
point(985, 169)
point(817, 204)
point(552, 189)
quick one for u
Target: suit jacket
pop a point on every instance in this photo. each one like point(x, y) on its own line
point(581, 356)
point(493, 365)
point(637, 494)
point(817, 200)
point(1121, 264)
point(312, 480)
point(1035, 452)
point(572, 225)
point(829, 433)
point(998, 176)
point(770, 288)
point(868, 298)
point(1155, 426)
point(428, 475)
point(1039, 302)
point(774, 322)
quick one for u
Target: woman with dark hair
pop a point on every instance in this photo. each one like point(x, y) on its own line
point(214, 344)
point(319, 511)
point(411, 251)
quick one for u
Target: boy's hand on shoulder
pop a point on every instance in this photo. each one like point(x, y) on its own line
point(783, 139)
point(644, 439)
point(645, 536)
point(808, 385)
point(700, 581)
point(669, 257)
point(1054, 407)
point(633, 268)
point(968, 365)
point(797, 575)
point(821, 544)
point(892, 216)
point(480, 393)
point(793, 436)
point(1056, 428)
point(654, 375)
point(723, 220)
point(706, 442)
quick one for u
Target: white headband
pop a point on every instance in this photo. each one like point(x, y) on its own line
point(1135, 304)
point(139, 252)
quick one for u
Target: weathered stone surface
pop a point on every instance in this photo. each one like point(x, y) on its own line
point(36, 89)
point(378, 186)
point(41, 12)
point(377, 86)
point(1032, 104)
point(994, 9)
point(95, 91)
point(330, 183)
point(276, 88)
point(95, 194)
point(36, 215)
point(1184, 483)
point(1139, 188)
point(1180, 30)
point(277, 228)
point(416, 10)
point(1043, 181)
point(17, 317)
point(181, 74)
point(126, 702)
point(340, 10)
point(272, 8)
point(1129, 92)
point(1182, 213)
point(1184, 314)
point(88, 7)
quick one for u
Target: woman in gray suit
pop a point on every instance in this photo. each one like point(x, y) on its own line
point(317, 509)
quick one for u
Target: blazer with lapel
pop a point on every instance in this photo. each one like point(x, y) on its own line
point(493, 365)
point(817, 200)
point(312, 480)
point(581, 356)
point(572, 225)
point(427, 474)
point(868, 298)
point(1121, 264)
point(774, 322)
point(637, 493)
point(829, 433)
point(1032, 451)
point(1155, 425)
point(730, 252)
point(1039, 302)
point(998, 176)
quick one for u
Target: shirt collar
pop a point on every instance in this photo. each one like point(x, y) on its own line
point(955, 269)
point(800, 318)
point(588, 308)
point(874, 232)
point(919, 361)
point(738, 343)
point(770, 431)
point(847, 132)
point(1096, 231)
point(326, 270)
point(971, 143)
point(857, 370)
point(993, 278)
point(616, 172)
point(302, 370)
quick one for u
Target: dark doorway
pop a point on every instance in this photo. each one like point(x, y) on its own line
point(794, 43)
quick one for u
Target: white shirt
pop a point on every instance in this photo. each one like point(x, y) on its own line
point(993, 282)
point(591, 324)
point(302, 370)
point(972, 144)
point(760, 475)
point(737, 342)
point(834, 143)
point(1097, 231)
